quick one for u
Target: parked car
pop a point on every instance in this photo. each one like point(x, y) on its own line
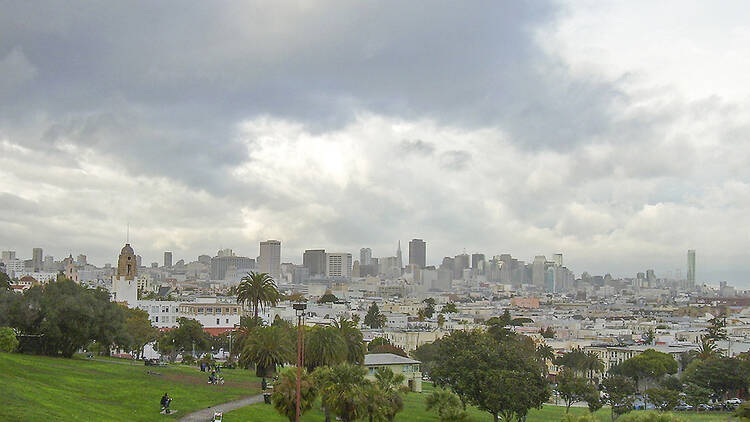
point(153, 362)
point(703, 407)
point(734, 401)
point(683, 406)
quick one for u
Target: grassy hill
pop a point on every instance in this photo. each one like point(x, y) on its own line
point(414, 411)
point(36, 388)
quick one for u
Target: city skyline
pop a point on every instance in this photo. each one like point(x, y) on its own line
point(527, 128)
point(320, 256)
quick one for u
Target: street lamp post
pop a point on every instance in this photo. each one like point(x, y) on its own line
point(299, 310)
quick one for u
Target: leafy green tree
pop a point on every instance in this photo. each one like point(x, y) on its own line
point(503, 378)
point(324, 346)
point(573, 388)
point(647, 365)
point(548, 332)
point(650, 336)
point(389, 348)
point(187, 336)
point(138, 330)
point(428, 355)
point(377, 341)
point(581, 362)
point(8, 340)
point(295, 297)
point(429, 310)
point(447, 405)
point(259, 290)
point(696, 395)
point(266, 348)
point(717, 328)
point(593, 401)
point(343, 390)
point(672, 383)
point(328, 297)
point(4, 281)
point(284, 397)
point(355, 344)
point(545, 352)
point(720, 374)
point(449, 308)
point(374, 319)
point(620, 392)
point(62, 317)
point(662, 398)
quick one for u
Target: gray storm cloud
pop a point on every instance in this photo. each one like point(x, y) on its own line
point(348, 125)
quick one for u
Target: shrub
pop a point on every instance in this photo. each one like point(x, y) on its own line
point(188, 360)
point(8, 340)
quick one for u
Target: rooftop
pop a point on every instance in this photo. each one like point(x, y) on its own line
point(376, 359)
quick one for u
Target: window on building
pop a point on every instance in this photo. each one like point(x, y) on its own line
point(217, 323)
point(157, 320)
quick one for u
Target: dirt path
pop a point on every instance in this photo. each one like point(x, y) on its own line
point(207, 414)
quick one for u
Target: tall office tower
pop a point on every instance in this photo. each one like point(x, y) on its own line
point(557, 259)
point(270, 258)
point(418, 253)
point(476, 259)
point(691, 268)
point(315, 261)
point(168, 259)
point(460, 263)
point(339, 265)
point(651, 278)
point(221, 264)
point(138, 260)
point(538, 270)
point(506, 268)
point(36, 259)
point(8, 256)
point(365, 256)
point(399, 259)
point(81, 259)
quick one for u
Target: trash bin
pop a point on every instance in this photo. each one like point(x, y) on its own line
point(267, 398)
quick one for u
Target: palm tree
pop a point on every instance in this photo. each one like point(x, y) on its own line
point(284, 396)
point(707, 349)
point(447, 405)
point(440, 320)
point(343, 389)
point(390, 386)
point(324, 346)
point(545, 353)
point(266, 348)
point(259, 290)
point(355, 344)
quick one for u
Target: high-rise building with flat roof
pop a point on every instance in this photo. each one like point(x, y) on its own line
point(36, 259)
point(315, 261)
point(538, 273)
point(270, 258)
point(418, 253)
point(339, 265)
point(558, 259)
point(168, 259)
point(691, 268)
point(365, 256)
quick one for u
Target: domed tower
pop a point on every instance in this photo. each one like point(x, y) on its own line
point(124, 283)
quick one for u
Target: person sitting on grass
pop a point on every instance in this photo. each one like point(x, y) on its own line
point(212, 377)
point(165, 400)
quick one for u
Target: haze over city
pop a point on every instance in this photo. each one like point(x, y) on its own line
point(521, 128)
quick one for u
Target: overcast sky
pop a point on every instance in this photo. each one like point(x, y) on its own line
point(615, 133)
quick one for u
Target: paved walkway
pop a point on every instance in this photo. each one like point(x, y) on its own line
point(207, 414)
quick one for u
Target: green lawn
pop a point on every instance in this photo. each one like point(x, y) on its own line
point(414, 411)
point(36, 388)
